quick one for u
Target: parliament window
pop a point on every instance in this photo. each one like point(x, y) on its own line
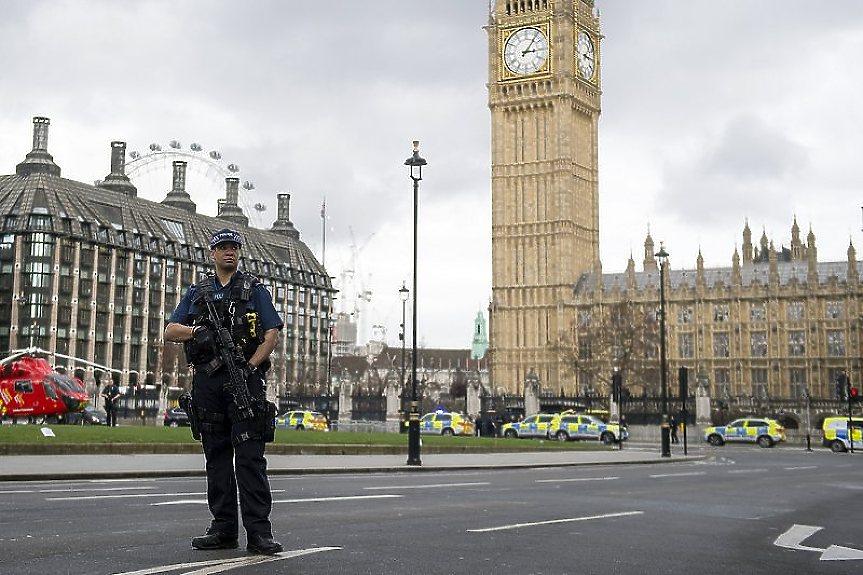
point(796, 343)
point(686, 345)
point(720, 313)
point(794, 311)
point(834, 310)
point(758, 343)
point(722, 387)
point(757, 312)
point(584, 318)
point(684, 315)
point(836, 343)
point(720, 344)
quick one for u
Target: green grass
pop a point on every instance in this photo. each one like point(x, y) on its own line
point(72, 434)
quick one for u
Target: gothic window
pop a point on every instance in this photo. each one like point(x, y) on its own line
point(758, 343)
point(584, 351)
point(720, 344)
point(797, 377)
point(836, 343)
point(720, 313)
point(723, 383)
point(759, 383)
point(584, 318)
point(796, 343)
point(835, 310)
point(686, 345)
point(794, 311)
point(684, 315)
point(757, 312)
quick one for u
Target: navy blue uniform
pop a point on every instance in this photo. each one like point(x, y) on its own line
point(243, 466)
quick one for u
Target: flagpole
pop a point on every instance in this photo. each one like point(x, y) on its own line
point(324, 233)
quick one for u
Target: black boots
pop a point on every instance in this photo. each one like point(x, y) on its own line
point(263, 544)
point(214, 540)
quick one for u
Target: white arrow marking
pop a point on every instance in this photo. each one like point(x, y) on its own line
point(792, 538)
point(219, 565)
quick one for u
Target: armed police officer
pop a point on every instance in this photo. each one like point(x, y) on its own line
point(229, 327)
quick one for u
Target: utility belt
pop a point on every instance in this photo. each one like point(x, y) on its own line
point(261, 426)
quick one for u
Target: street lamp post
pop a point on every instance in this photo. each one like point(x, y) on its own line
point(666, 427)
point(416, 163)
point(404, 294)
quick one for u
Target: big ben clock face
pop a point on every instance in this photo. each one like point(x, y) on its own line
point(585, 55)
point(526, 51)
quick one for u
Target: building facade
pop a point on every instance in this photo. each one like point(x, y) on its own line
point(777, 323)
point(544, 98)
point(93, 271)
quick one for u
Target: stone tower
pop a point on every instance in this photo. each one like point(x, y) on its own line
point(544, 97)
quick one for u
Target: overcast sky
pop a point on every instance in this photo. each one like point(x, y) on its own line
point(712, 113)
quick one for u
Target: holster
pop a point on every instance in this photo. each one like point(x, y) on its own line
point(185, 403)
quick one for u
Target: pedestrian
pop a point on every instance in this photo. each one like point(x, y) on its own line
point(111, 394)
point(673, 430)
point(233, 441)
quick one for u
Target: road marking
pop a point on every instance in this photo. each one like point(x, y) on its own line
point(793, 538)
point(802, 467)
point(575, 479)
point(429, 486)
point(307, 500)
point(133, 495)
point(221, 565)
point(553, 521)
point(740, 471)
point(678, 474)
point(74, 490)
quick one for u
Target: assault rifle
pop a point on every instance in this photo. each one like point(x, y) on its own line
point(231, 359)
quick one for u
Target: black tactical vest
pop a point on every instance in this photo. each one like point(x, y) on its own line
point(243, 324)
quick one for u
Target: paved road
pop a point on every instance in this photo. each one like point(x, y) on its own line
point(723, 513)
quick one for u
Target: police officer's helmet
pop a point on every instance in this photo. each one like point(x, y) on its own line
point(225, 235)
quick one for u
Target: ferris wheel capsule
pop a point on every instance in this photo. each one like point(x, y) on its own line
point(195, 147)
point(261, 207)
point(233, 168)
point(247, 185)
point(216, 155)
point(175, 144)
point(155, 147)
point(134, 154)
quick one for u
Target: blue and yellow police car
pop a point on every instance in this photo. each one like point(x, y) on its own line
point(761, 430)
point(577, 426)
point(302, 420)
point(536, 425)
point(446, 423)
point(836, 433)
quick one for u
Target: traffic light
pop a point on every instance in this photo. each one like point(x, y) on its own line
point(616, 386)
point(853, 395)
point(683, 379)
point(842, 386)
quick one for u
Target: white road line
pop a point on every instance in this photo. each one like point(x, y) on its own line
point(131, 496)
point(575, 479)
point(747, 471)
point(74, 490)
point(429, 486)
point(307, 500)
point(553, 521)
point(220, 565)
point(801, 467)
point(678, 474)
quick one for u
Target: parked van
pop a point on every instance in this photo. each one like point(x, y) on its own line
point(836, 433)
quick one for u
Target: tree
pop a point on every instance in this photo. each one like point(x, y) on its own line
point(607, 336)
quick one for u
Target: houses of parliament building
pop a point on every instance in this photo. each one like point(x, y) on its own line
point(776, 323)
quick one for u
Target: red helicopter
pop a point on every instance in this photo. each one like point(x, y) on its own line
point(31, 387)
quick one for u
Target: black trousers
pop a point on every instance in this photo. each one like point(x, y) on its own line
point(111, 415)
point(231, 469)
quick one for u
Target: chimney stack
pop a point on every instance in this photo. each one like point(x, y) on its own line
point(178, 197)
point(38, 160)
point(230, 209)
point(117, 180)
point(283, 224)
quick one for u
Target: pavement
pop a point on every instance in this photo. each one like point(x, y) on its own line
point(126, 466)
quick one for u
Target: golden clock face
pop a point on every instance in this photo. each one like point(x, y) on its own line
point(526, 51)
point(585, 55)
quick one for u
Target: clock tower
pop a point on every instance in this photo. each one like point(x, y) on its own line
point(544, 97)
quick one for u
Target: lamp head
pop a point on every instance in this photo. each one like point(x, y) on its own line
point(416, 163)
point(404, 292)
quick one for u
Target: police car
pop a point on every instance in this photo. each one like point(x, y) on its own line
point(576, 426)
point(761, 430)
point(533, 426)
point(836, 433)
point(301, 420)
point(446, 423)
